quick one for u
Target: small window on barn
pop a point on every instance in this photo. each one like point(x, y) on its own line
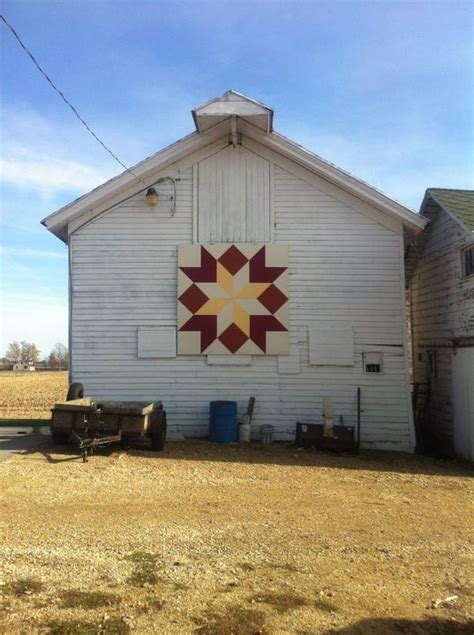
point(468, 261)
point(373, 362)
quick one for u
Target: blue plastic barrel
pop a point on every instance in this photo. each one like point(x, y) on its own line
point(223, 421)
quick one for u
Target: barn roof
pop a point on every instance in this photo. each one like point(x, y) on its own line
point(229, 113)
point(233, 104)
point(457, 203)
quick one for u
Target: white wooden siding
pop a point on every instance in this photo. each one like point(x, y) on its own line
point(344, 267)
point(234, 197)
point(442, 304)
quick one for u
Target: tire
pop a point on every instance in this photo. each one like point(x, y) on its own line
point(76, 391)
point(158, 431)
point(59, 436)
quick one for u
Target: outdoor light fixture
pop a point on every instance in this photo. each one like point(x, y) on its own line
point(152, 196)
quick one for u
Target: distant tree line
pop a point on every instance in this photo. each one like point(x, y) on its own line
point(28, 353)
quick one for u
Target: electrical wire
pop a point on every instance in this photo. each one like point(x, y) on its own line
point(66, 101)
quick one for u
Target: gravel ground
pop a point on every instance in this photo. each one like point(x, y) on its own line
point(213, 539)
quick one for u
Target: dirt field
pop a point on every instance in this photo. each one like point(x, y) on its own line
point(30, 395)
point(212, 539)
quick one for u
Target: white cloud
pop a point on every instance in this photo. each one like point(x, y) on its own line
point(39, 319)
point(41, 155)
point(47, 174)
point(22, 227)
point(28, 252)
point(401, 162)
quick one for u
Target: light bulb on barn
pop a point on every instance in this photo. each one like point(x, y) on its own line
point(152, 196)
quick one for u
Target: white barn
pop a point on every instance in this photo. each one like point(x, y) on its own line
point(339, 305)
point(24, 366)
point(442, 308)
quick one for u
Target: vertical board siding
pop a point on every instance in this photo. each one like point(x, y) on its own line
point(344, 268)
point(234, 197)
point(442, 307)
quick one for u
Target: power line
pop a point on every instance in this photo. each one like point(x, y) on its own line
point(67, 102)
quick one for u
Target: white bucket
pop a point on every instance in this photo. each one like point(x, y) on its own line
point(244, 433)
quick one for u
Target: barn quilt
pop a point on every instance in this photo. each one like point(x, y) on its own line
point(233, 299)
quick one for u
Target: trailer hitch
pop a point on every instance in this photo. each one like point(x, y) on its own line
point(87, 443)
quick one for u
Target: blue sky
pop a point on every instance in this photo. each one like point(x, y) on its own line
point(382, 89)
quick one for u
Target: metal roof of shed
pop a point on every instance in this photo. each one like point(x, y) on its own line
point(460, 203)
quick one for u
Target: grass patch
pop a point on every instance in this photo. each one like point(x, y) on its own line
point(114, 626)
point(234, 620)
point(24, 586)
point(281, 602)
point(324, 605)
point(144, 568)
point(87, 599)
point(287, 566)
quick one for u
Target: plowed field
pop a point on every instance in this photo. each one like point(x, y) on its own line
point(25, 395)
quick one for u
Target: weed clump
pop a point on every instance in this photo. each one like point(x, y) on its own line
point(234, 620)
point(324, 605)
point(281, 602)
point(87, 599)
point(111, 626)
point(24, 586)
point(144, 568)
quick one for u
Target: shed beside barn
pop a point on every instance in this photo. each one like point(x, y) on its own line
point(259, 269)
point(442, 307)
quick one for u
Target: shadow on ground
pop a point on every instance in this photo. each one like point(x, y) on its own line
point(282, 453)
point(18, 441)
point(392, 626)
point(278, 453)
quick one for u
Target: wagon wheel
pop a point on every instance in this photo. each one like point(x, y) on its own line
point(158, 431)
point(76, 391)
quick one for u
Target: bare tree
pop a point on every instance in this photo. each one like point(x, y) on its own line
point(30, 353)
point(52, 360)
point(25, 352)
point(58, 358)
point(13, 353)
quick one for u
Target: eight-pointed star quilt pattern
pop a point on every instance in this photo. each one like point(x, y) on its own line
point(233, 299)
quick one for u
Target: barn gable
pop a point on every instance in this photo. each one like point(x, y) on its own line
point(235, 119)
